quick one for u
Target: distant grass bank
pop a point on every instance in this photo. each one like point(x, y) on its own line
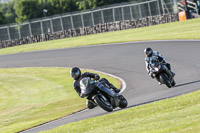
point(32, 96)
point(189, 29)
point(176, 115)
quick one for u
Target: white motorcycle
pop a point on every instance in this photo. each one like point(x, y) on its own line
point(159, 71)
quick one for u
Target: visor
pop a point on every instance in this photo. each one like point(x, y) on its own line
point(75, 75)
point(148, 53)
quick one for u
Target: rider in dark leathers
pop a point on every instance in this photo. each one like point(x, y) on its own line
point(77, 76)
point(150, 55)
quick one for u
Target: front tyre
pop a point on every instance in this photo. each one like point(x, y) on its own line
point(173, 83)
point(123, 102)
point(165, 80)
point(103, 103)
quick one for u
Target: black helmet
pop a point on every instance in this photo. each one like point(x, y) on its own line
point(148, 52)
point(75, 73)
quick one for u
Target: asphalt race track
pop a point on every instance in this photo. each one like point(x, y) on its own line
point(125, 60)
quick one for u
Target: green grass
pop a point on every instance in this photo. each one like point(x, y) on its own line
point(189, 29)
point(32, 96)
point(180, 114)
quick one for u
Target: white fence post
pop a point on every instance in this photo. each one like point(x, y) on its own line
point(72, 24)
point(140, 11)
point(113, 14)
point(19, 31)
point(83, 25)
point(30, 30)
point(102, 16)
point(51, 25)
point(92, 16)
point(8, 33)
point(41, 25)
point(122, 13)
point(158, 7)
point(131, 13)
point(61, 22)
point(162, 7)
point(149, 9)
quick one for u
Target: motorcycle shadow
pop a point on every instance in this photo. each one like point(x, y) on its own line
point(187, 83)
point(114, 110)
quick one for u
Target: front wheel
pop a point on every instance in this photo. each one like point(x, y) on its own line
point(173, 83)
point(123, 102)
point(165, 80)
point(103, 103)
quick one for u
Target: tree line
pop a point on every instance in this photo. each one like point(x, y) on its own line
point(12, 11)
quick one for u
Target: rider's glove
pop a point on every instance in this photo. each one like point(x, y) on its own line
point(96, 77)
point(149, 72)
point(81, 95)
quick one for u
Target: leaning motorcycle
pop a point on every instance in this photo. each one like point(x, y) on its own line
point(102, 94)
point(159, 71)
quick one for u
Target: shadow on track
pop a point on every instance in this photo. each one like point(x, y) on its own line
point(187, 83)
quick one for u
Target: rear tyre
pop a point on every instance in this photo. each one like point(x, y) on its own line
point(165, 80)
point(104, 104)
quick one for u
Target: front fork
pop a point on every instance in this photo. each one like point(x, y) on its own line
point(168, 72)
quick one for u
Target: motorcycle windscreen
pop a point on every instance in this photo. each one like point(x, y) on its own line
point(85, 86)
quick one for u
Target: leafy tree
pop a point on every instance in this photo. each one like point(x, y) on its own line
point(27, 9)
point(6, 1)
point(9, 11)
point(90, 4)
point(2, 18)
point(60, 6)
point(87, 4)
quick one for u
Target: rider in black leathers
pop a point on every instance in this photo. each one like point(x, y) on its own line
point(77, 76)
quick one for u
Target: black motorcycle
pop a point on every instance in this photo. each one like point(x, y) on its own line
point(102, 94)
point(159, 71)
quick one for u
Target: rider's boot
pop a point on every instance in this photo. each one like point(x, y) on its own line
point(111, 85)
point(114, 88)
point(90, 104)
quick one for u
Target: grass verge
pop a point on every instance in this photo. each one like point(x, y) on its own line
point(180, 114)
point(189, 29)
point(32, 96)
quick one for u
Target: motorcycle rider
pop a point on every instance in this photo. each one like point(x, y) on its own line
point(77, 76)
point(150, 54)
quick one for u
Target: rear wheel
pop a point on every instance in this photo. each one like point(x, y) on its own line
point(103, 103)
point(165, 80)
